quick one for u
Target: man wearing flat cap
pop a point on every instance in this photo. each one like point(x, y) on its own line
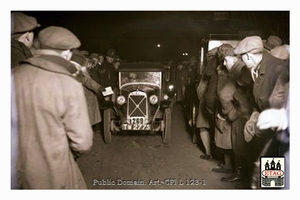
point(22, 36)
point(54, 126)
point(236, 106)
point(266, 70)
point(272, 42)
point(282, 52)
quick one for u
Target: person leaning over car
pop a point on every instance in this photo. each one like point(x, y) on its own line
point(91, 87)
point(54, 127)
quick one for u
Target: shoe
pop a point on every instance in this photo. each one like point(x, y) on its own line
point(233, 178)
point(220, 164)
point(237, 176)
point(205, 157)
point(222, 170)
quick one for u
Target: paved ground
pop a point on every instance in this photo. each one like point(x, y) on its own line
point(144, 162)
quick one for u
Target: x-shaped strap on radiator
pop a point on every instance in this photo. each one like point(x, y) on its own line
point(137, 106)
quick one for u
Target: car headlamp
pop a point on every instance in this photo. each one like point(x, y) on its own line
point(121, 100)
point(153, 99)
point(165, 97)
point(171, 87)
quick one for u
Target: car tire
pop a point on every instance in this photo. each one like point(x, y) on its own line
point(107, 126)
point(166, 133)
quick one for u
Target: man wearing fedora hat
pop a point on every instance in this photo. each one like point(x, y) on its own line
point(110, 79)
point(106, 72)
point(22, 36)
point(54, 127)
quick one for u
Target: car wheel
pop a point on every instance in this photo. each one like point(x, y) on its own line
point(107, 126)
point(166, 133)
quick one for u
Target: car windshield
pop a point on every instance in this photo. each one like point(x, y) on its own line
point(153, 78)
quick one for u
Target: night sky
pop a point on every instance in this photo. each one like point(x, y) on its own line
point(135, 34)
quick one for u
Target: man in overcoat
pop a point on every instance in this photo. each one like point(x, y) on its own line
point(266, 72)
point(22, 36)
point(53, 122)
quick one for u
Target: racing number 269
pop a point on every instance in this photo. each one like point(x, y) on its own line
point(137, 121)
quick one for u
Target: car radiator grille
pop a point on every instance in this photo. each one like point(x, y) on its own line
point(137, 104)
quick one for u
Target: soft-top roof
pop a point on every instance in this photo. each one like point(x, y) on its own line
point(141, 66)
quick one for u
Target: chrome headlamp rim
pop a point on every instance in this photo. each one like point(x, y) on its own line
point(165, 97)
point(121, 100)
point(153, 99)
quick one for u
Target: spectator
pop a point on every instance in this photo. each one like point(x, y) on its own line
point(272, 42)
point(90, 86)
point(181, 82)
point(108, 78)
point(266, 70)
point(101, 58)
point(54, 128)
point(223, 128)
point(92, 66)
point(117, 63)
point(282, 52)
point(206, 92)
point(107, 73)
point(22, 37)
point(211, 119)
point(278, 119)
point(193, 70)
point(237, 103)
point(98, 68)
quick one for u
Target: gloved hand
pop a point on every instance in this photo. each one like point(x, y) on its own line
point(101, 89)
point(275, 119)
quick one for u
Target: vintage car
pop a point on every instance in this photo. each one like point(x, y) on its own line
point(142, 103)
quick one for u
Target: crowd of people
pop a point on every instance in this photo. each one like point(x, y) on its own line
point(57, 101)
point(186, 75)
point(243, 107)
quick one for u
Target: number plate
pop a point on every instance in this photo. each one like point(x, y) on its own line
point(136, 127)
point(137, 120)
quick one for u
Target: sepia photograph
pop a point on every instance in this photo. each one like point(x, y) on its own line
point(150, 99)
